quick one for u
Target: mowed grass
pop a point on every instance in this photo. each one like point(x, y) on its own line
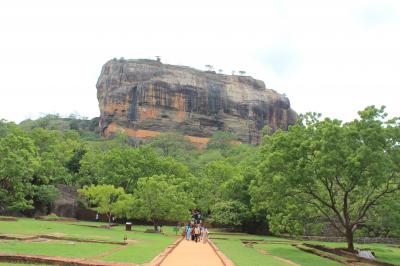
point(54, 248)
point(298, 256)
point(142, 252)
point(143, 247)
point(383, 252)
point(233, 247)
point(245, 256)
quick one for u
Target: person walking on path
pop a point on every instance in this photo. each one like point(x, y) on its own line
point(192, 233)
point(188, 231)
point(197, 233)
point(205, 235)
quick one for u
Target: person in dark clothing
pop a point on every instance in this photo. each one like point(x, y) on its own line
point(193, 234)
point(197, 233)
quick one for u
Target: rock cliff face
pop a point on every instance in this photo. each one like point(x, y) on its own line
point(146, 97)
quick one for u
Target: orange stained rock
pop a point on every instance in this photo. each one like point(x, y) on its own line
point(179, 103)
point(142, 133)
point(148, 113)
point(115, 107)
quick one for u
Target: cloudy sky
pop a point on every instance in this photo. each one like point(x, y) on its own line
point(332, 57)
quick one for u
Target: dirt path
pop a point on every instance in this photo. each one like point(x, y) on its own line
point(189, 253)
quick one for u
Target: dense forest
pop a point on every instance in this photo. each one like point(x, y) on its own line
point(320, 173)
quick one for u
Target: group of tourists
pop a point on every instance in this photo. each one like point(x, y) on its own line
point(195, 231)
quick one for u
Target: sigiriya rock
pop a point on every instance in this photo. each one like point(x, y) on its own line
point(146, 97)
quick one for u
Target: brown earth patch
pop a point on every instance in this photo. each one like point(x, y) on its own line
point(82, 240)
point(316, 252)
point(57, 234)
point(8, 219)
point(17, 237)
point(17, 258)
point(55, 219)
point(344, 253)
point(38, 240)
point(52, 237)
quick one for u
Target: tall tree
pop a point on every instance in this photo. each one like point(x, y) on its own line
point(18, 161)
point(157, 199)
point(337, 170)
point(104, 198)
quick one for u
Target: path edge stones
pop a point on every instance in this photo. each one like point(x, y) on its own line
point(19, 258)
point(163, 255)
point(225, 260)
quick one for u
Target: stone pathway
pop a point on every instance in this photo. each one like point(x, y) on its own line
point(189, 253)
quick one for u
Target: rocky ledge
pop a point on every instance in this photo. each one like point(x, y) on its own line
point(146, 97)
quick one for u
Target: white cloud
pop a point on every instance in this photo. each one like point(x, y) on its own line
point(333, 57)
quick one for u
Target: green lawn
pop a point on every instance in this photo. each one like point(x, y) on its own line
point(291, 253)
point(55, 248)
point(245, 256)
point(143, 247)
point(231, 245)
point(383, 252)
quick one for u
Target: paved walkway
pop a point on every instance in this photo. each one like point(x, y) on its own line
point(190, 253)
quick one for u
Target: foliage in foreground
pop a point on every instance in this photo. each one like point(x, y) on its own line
point(234, 185)
point(329, 169)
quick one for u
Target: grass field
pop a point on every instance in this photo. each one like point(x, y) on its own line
point(143, 247)
point(242, 255)
point(383, 252)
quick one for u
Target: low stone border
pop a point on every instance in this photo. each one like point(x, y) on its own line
point(57, 260)
point(341, 260)
point(163, 255)
point(8, 219)
point(27, 238)
point(359, 240)
point(221, 256)
point(264, 252)
point(20, 238)
point(64, 219)
point(81, 240)
point(350, 255)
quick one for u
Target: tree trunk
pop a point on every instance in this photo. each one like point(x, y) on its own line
point(109, 218)
point(155, 225)
point(350, 239)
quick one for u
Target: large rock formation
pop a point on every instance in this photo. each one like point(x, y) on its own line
point(146, 97)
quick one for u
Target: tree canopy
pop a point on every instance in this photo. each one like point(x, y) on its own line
point(319, 171)
point(331, 169)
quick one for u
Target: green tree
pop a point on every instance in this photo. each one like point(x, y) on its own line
point(44, 196)
point(123, 166)
point(104, 198)
point(337, 170)
point(214, 175)
point(383, 219)
point(157, 199)
point(173, 144)
point(231, 212)
point(222, 140)
point(18, 161)
point(56, 150)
